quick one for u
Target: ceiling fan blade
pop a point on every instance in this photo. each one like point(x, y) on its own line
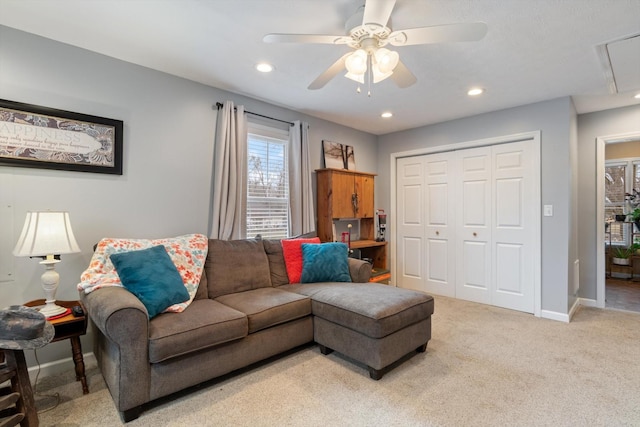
point(402, 77)
point(329, 73)
point(377, 12)
point(305, 38)
point(439, 34)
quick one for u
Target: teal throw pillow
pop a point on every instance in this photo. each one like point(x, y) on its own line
point(151, 276)
point(326, 262)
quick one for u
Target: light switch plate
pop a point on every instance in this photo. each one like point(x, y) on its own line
point(548, 210)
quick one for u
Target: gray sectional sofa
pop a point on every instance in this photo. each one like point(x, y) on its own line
point(245, 311)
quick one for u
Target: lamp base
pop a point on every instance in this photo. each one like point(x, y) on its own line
point(51, 309)
point(50, 279)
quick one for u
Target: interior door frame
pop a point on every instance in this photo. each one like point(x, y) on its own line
point(601, 142)
point(534, 137)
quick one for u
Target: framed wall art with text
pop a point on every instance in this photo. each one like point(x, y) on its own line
point(42, 137)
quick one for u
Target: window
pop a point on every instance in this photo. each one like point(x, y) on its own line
point(621, 178)
point(267, 183)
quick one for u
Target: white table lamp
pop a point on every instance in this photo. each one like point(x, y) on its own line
point(45, 235)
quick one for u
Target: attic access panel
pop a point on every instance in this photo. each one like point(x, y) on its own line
point(621, 63)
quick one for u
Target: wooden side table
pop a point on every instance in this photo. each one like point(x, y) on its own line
point(72, 328)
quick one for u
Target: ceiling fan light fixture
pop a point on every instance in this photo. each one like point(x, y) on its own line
point(378, 75)
point(356, 63)
point(355, 77)
point(386, 59)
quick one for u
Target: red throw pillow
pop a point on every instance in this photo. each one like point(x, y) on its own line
point(292, 252)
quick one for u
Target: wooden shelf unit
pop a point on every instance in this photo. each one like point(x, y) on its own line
point(345, 194)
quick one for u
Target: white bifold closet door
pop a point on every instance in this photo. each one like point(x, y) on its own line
point(465, 224)
point(410, 233)
point(426, 260)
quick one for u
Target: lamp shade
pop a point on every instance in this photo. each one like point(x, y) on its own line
point(46, 233)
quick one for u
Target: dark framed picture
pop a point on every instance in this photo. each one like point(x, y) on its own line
point(338, 156)
point(42, 137)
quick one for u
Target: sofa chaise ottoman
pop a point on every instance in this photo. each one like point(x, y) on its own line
point(244, 311)
point(371, 323)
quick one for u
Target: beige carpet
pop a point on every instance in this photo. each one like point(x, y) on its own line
point(484, 366)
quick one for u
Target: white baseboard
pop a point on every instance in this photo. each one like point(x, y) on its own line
point(58, 366)
point(574, 308)
point(567, 317)
point(587, 302)
point(554, 315)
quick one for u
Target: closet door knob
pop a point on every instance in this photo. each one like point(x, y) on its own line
point(475, 234)
point(437, 233)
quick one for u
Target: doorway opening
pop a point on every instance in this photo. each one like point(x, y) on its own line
point(618, 196)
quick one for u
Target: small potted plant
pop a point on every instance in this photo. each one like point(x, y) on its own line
point(621, 254)
point(635, 217)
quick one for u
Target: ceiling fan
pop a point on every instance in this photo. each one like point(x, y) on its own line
point(369, 31)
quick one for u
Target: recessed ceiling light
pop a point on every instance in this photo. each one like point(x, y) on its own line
point(386, 114)
point(475, 91)
point(263, 67)
point(637, 96)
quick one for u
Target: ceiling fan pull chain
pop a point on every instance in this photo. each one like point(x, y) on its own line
point(369, 77)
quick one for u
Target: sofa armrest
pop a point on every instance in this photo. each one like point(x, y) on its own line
point(359, 270)
point(105, 303)
point(122, 343)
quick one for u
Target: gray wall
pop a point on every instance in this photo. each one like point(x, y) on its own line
point(591, 126)
point(168, 139)
point(573, 288)
point(553, 118)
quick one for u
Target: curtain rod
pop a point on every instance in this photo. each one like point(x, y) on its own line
point(219, 105)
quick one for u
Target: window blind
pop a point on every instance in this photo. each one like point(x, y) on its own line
point(267, 187)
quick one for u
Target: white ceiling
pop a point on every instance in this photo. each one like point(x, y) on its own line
point(534, 50)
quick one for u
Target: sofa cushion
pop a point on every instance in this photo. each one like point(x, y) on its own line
point(236, 266)
point(268, 307)
point(326, 262)
point(273, 248)
point(152, 277)
point(292, 251)
point(372, 309)
point(203, 324)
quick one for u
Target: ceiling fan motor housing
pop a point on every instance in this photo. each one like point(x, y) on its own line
point(361, 33)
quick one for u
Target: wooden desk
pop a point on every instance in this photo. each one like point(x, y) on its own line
point(72, 328)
